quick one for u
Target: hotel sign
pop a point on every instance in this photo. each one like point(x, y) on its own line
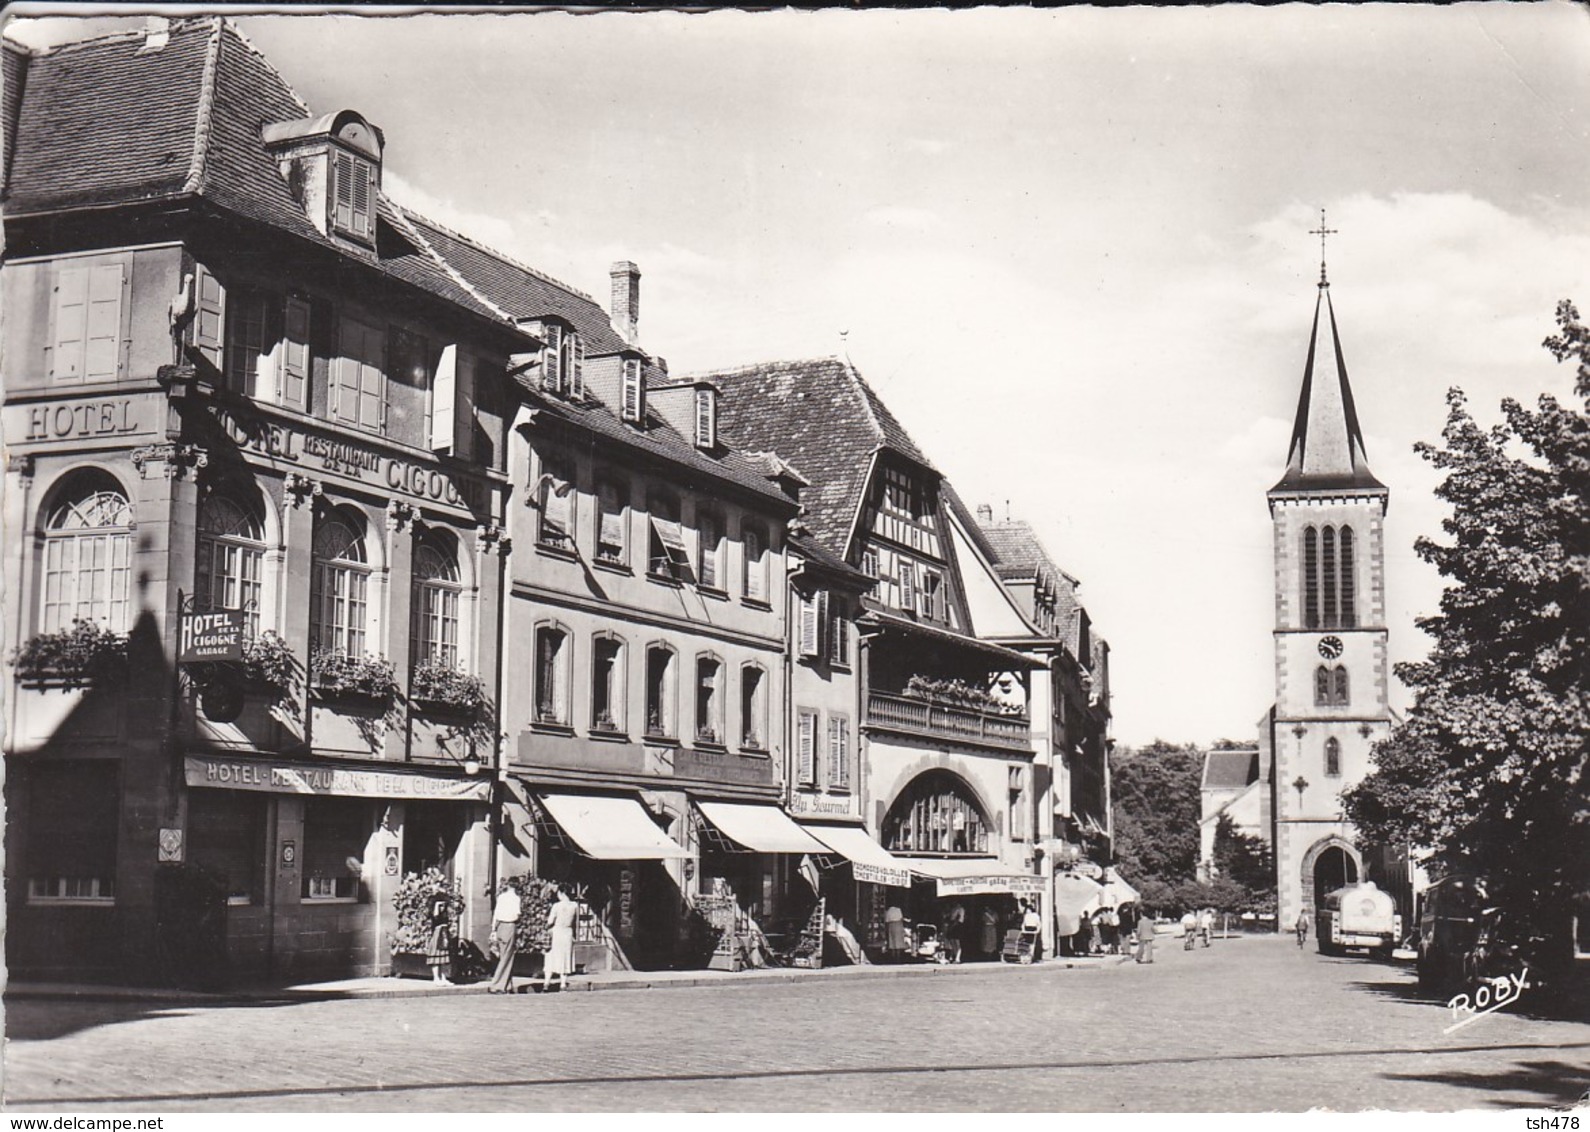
point(285, 778)
point(211, 636)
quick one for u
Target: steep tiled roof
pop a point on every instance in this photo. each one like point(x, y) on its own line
point(521, 291)
point(808, 547)
point(1231, 770)
point(658, 440)
point(822, 417)
point(111, 122)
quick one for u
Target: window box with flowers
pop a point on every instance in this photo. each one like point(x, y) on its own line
point(441, 689)
point(269, 665)
point(958, 693)
point(71, 658)
point(337, 676)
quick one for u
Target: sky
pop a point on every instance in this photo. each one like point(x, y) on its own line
point(1070, 248)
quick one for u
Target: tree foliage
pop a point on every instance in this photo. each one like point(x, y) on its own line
point(1156, 794)
point(1246, 861)
point(1488, 769)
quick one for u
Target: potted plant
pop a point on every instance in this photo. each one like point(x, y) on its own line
point(604, 721)
point(412, 901)
point(269, 664)
point(71, 657)
point(532, 936)
point(336, 674)
point(441, 687)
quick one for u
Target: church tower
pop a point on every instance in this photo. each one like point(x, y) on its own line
point(1331, 664)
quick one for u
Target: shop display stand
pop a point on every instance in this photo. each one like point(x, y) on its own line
point(808, 951)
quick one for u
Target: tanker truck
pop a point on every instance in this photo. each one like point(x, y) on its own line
point(1358, 916)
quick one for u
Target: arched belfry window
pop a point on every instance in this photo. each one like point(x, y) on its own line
point(1333, 757)
point(936, 813)
point(1330, 591)
point(1322, 686)
point(230, 567)
point(87, 555)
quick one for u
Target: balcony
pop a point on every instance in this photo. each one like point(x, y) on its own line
point(948, 722)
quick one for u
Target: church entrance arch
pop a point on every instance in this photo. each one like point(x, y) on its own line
point(1329, 865)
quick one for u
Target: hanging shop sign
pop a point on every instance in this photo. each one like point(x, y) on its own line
point(210, 636)
point(279, 778)
point(1087, 869)
point(981, 886)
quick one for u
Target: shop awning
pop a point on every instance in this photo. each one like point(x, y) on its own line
point(871, 862)
point(1074, 895)
point(764, 829)
point(961, 877)
point(610, 828)
point(1117, 891)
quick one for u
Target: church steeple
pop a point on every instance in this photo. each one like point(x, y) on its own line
point(1327, 451)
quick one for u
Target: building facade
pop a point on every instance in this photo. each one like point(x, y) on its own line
point(1330, 639)
point(239, 385)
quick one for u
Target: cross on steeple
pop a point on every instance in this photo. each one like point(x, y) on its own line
point(1322, 232)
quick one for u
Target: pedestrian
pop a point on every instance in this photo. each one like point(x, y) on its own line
point(1109, 931)
point(1127, 915)
point(1084, 936)
point(954, 929)
point(439, 951)
point(1189, 929)
point(1206, 925)
point(560, 955)
point(894, 929)
point(1145, 939)
point(990, 932)
point(1302, 927)
point(505, 929)
point(1032, 929)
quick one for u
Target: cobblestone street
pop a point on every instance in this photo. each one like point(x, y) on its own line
point(1246, 1025)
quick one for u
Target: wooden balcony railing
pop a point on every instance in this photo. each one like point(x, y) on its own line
point(948, 721)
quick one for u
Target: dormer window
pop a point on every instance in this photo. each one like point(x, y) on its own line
point(634, 392)
point(352, 195)
point(562, 361)
point(706, 418)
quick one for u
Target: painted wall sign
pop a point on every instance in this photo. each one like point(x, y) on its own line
point(171, 845)
point(803, 803)
point(347, 458)
point(211, 636)
point(76, 420)
point(881, 874)
point(278, 778)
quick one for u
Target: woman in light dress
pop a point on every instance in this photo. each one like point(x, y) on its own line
point(560, 956)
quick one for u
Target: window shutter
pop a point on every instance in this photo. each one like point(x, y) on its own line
point(372, 382)
point(209, 319)
point(576, 375)
point(363, 198)
point(809, 625)
point(841, 767)
point(342, 190)
point(633, 406)
point(470, 372)
point(705, 431)
point(838, 635)
point(835, 751)
point(822, 623)
point(907, 585)
point(444, 400)
point(71, 323)
point(807, 748)
point(102, 354)
point(295, 355)
point(552, 359)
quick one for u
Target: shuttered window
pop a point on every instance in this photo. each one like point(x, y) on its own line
point(352, 198)
point(809, 625)
point(706, 419)
point(838, 752)
point(209, 315)
point(295, 355)
point(87, 344)
point(806, 748)
point(552, 358)
point(576, 367)
point(634, 393)
point(755, 543)
point(839, 633)
point(611, 525)
point(247, 365)
point(358, 388)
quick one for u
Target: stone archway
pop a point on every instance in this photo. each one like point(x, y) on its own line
point(1331, 863)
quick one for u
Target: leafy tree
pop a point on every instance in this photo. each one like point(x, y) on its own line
point(1156, 795)
point(1488, 769)
point(1244, 860)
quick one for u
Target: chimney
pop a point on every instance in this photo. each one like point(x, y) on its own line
point(626, 298)
point(985, 514)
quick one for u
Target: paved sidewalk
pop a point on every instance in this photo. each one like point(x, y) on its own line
point(393, 987)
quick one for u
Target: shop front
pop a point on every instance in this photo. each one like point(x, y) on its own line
point(861, 880)
point(977, 899)
point(609, 850)
point(766, 865)
point(309, 856)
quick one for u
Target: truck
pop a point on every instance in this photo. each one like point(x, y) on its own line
point(1360, 916)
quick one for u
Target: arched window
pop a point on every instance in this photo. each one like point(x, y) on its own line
point(552, 675)
point(937, 813)
point(607, 684)
point(1339, 696)
point(661, 692)
point(1333, 757)
point(87, 555)
point(753, 708)
point(1311, 618)
point(709, 527)
point(1322, 686)
point(230, 569)
point(1328, 575)
point(436, 594)
point(339, 598)
point(709, 700)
